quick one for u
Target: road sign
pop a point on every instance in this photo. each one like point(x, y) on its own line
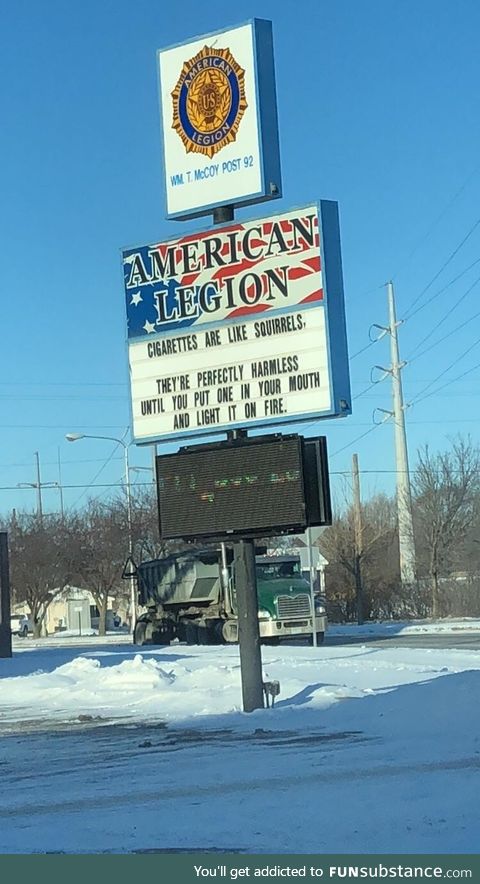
point(129, 569)
point(219, 120)
point(240, 326)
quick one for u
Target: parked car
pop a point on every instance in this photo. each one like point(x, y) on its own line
point(20, 624)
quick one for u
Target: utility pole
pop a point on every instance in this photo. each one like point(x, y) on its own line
point(39, 490)
point(38, 485)
point(60, 487)
point(404, 497)
point(358, 538)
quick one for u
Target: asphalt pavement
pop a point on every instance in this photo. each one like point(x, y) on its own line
point(462, 640)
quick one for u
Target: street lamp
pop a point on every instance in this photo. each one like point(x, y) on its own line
point(74, 437)
point(143, 470)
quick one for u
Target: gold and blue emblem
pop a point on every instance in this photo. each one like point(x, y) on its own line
point(209, 101)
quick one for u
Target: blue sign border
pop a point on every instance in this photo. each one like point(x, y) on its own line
point(267, 120)
point(335, 326)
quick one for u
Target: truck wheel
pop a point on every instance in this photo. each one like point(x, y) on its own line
point(191, 634)
point(163, 634)
point(217, 633)
point(205, 635)
point(140, 633)
point(320, 638)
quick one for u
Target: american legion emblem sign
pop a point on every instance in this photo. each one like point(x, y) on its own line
point(209, 101)
point(219, 121)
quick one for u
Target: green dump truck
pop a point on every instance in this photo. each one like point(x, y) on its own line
point(191, 597)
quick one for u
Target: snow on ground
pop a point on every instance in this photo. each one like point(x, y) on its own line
point(368, 749)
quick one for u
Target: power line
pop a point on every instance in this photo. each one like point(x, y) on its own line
point(441, 321)
point(442, 268)
point(419, 397)
point(78, 398)
point(362, 436)
point(441, 215)
point(366, 390)
point(54, 463)
point(74, 486)
point(140, 484)
point(442, 290)
point(61, 426)
point(421, 307)
point(367, 347)
point(444, 338)
point(61, 384)
point(451, 381)
point(389, 472)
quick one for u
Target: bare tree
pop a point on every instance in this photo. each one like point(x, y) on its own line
point(340, 545)
point(102, 549)
point(446, 487)
point(147, 543)
point(42, 560)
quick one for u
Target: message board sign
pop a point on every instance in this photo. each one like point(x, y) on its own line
point(240, 489)
point(219, 121)
point(253, 486)
point(238, 326)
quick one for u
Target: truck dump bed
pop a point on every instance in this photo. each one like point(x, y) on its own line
point(179, 582)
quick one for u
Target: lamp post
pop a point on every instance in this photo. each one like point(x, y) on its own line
point(144, 470)
point(74, 437)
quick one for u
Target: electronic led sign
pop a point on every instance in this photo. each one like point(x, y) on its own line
point(253, 488)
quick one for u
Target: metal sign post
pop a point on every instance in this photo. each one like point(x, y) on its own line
point(246, 590)
point(248, 631)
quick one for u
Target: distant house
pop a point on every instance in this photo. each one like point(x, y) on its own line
point(74, 610)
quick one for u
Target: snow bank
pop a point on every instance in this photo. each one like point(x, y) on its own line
point(177, 683)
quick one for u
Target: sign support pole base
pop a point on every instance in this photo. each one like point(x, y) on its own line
point(247, 610)
point(248, 631)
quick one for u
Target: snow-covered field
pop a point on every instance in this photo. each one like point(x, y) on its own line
point(368, 749)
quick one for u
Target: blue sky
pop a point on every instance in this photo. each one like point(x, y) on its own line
point(378, 109)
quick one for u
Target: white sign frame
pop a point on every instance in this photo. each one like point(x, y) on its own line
point(245, 168)
point(182, 357)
